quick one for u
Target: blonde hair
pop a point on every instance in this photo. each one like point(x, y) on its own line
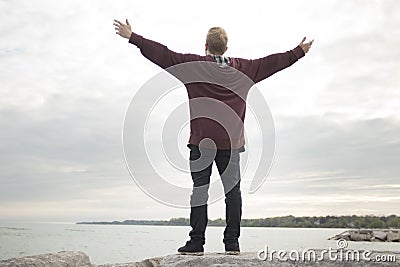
point(217, 39)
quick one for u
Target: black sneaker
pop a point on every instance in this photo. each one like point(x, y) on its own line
point(232, 248)
point(192, 249)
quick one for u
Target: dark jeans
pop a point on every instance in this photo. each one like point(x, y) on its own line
point(228, 165)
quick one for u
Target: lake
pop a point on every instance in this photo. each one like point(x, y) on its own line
point(127, 243)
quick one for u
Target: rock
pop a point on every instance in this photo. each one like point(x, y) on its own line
point(380, 235)
point(79, 259)
point(345, 235)
point(369, 235)
point(393, 236)
point(365, 231)
point(250, 259)
point(60, 259)
point(358, 237)
point(154, 262)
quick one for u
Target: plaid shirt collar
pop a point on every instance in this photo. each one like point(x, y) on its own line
point(222, 61)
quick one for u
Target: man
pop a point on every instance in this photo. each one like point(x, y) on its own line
point(215, 137)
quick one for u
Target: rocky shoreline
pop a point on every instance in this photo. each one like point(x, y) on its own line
point(248, 259)
point(80, 259)
point(370, 235)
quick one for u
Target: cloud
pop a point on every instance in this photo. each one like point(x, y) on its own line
point(334, 143)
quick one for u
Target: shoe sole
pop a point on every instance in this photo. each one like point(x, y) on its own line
point(232, 252)
point(192, 253)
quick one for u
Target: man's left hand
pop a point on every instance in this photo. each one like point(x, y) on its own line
point(306, 46)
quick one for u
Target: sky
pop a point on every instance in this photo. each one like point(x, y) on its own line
point(67, 80)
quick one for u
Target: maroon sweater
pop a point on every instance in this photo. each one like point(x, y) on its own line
point(202, 124)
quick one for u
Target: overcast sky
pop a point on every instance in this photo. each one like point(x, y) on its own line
point(67, 80)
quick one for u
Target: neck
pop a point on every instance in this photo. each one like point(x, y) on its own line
point(216, 54)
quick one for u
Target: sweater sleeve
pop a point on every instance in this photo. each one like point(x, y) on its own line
point(262, 68)
point(159, 53)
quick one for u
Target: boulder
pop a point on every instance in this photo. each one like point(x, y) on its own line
point(380, 235)
point(393, 236)
point(365, 231)
point(345, 235)
point(358, 237)
point(248, 259)
point(60, 259)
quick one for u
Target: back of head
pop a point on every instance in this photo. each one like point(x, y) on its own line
point(217, 39)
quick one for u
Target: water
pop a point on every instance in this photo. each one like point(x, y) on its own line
point(127, 243)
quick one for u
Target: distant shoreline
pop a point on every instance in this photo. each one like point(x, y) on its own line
point(369, 221)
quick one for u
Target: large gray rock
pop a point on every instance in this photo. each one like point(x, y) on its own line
point(250, 259)
point(344, 235)
point(145, 263)
point(365, 231)
point(393, 236)
point(381, 235)
point(358, 237)
point(60, 259)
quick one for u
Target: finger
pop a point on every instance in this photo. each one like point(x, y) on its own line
point(302, 41)
point(117, 21)
point(127, 22)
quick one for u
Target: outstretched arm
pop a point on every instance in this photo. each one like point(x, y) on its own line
point(155, 52)
point(262, 68)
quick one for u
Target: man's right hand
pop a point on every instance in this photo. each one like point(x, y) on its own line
point(123, 30)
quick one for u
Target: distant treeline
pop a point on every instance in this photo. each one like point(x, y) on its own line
point(354, 221)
